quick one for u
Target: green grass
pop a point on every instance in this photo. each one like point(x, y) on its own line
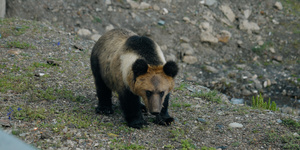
point(210, 96)
point(258, 102)
point(187, 145)
point(21, 45)
point(181, 87)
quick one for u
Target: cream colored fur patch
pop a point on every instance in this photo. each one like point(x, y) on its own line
point(126, 63)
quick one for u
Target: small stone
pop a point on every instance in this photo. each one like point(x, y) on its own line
point(210, 2)
point(14, 52)
point(296, 134)
point(228, 12)
point(156, 7)
point(165, 11)
point(95, 37)
point(278, 120)
point(184, 39)
point(144, 5)
point(257, 84)
point(283, 92)
point(161, 22)
point(246, 25)
point(133, 4)
point(190, 59)
point(5, 123)
point(272, 50)
point(235, 125)
point(260, 43)
point(275, 21)
point(109, 27)
point(278, 5)
point(247, 13)
point(211, 69)
point(186, 19)
point(54, 19)
point(187, 49)
point(205, 26)
point(39, 74)
point(237, 101)
point(208, 37)
point(224, 36)
point(84, 32)
point(220, 126)
point(201, 120)
point(277, 58)
point(246, 92)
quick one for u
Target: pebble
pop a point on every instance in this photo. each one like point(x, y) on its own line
point(109, 27)
point(14, 52)
point(184, 39)
point(144, 5)
point(220, 126)
point(237, 101)
point(278, 120)
point(208, 37)
point(211, 69)
point(235, 125)
point(95, 37)
point(190, 59)
point(210, 2)
point(186, 19)
point(278, 5)
point(246, 25)
point(201, 120)
point(133, 4)
point(5, 123)
point(156, 7)
point(272, 50)
point(247, 13)
point(228, 12)
point(278, 58)
point(165, 11)
point(161, 22)
point(84, 32)
point(224, 36)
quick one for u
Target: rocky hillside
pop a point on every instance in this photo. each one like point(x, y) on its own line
point(238, 48)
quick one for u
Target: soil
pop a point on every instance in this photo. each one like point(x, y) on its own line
point(46, 78)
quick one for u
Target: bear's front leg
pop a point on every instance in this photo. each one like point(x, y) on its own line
point(131, 106)
point(163, 118)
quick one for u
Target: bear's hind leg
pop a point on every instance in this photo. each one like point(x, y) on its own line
point(131, 107)
point(164, 118)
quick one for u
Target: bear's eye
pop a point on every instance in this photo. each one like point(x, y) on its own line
point(161, 94)
point(148, 93)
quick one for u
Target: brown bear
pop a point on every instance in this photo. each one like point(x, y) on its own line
point(133, 66)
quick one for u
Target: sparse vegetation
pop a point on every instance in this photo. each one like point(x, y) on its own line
point(210, 96)
point(21, 45)
point(258, 102)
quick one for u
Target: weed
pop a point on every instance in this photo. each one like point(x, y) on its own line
point(291, 123)
point(181, 87)
point(210, 96)
point(258, 102)
point(21, 45)
point(97, 19)
point(187, 145)
point(235, 144)
point(207, 148)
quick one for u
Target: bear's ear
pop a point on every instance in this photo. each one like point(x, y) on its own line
point(139, 67)
point(171, 69)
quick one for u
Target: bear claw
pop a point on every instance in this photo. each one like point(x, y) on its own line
point(104, 110)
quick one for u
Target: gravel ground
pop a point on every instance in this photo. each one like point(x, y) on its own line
point(47, 94)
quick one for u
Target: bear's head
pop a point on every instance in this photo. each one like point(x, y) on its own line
point(153, 83)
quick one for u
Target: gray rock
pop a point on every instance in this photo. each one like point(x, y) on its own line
point(156, 7)
point(257, 84)
point(208, 37)
point(224, 36)
point(278, 5)
point(144, 5)
point(246, 25)
point(133, 4)
point(235, 125)
point(2, 8)
point(272, 50)
point(205, 26)
point(161, 22)
point(278, 58)
point(246, 92)
point(184, 39)
point(109, 27)
point(201, 120)
point(210, 2)
point(237, 101)
point(211, 69)
point(279, 120)
point(247, 13)
point(190, 59)
point(187, 49)
point(186, 19)
point(228, 12)
point(84, 32)
point(95, 37)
